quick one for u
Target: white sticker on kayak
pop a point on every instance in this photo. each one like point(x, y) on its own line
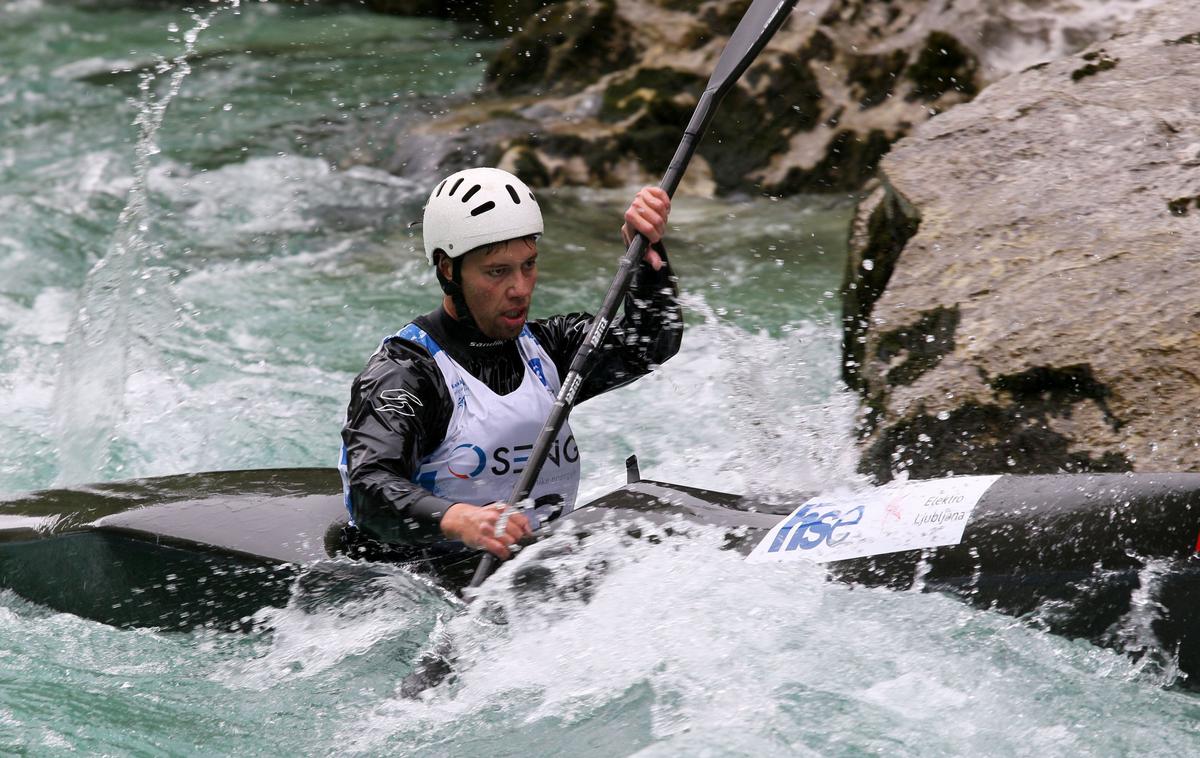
point(888, 519)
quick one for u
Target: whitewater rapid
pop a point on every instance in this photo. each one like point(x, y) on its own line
point(267, 273)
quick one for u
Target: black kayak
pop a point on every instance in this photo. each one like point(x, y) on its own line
point(1078, 554)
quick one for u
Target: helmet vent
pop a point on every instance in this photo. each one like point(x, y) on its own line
point(531, 197)
point(483, 208)
point(513, 194)
point(441, 187)
point(456, 184)
point(471, 193)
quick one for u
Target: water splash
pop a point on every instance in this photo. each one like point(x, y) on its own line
point(1134, 632)
point(125, 302)
point(676, 636)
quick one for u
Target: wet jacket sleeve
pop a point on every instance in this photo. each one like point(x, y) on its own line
point(399, 410)
point(648, 333)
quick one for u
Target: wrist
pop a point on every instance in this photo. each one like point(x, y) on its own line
point(453, 519)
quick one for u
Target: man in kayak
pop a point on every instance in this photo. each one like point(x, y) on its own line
point(443, 417)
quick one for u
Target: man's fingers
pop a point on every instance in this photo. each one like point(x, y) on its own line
point(517, 529)
point(652, 217)
point(654, 259)
point(648, 213)
point(647, 222)
point(522, 522)
point(660, 204)
point(656, 198)
point(496, 548)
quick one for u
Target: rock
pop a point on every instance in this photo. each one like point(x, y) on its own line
point(495, 18)
point(561, 47)
point(614, 83)
point(610, 84)
point(1020, 292)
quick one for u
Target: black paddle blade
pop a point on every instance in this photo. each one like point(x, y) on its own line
point(763, 18)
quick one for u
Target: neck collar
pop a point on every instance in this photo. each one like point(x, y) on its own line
point(465, 335)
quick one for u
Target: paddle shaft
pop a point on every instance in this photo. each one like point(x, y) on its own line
point(760, 22)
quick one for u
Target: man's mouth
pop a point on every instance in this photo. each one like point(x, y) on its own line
point(513, 317)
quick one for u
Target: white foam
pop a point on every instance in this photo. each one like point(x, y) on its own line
point(277, 194)
point(15, 7)
point(93, 66)
point(733, 411)
point(695, 648)
point(310, 637)
point(48, 319)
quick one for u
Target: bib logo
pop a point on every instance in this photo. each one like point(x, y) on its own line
point(468, 461)
point(514, 460)
point(474, 458)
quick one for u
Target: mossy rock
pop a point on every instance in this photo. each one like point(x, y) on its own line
point(943, 65)
point(850, 160)
point(745, 132)
point(721, 18)
point(566, 47)
point(713, 19)
point(654, 89)
point(874, 77)
point(749, 129)
point(526, 165)
point(818, 48)
point(598, 154)
point(882, 226)
point(1097, 61)
point(653, 96)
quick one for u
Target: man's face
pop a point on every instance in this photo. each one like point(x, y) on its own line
point(498, 286)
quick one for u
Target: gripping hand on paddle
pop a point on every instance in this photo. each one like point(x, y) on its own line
point(475, 526)
point(648, 214)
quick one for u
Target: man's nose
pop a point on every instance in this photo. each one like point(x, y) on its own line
point(522, 285)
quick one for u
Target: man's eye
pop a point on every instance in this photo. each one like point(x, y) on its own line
point(496, 273)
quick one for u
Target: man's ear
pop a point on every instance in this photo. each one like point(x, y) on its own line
point(443, 263)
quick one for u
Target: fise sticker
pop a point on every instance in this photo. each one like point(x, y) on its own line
point(888, 519)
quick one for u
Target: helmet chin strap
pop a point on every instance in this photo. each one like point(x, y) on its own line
point(453, 288)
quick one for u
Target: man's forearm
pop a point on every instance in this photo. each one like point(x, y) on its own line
point(390, 509)
point(652, 322)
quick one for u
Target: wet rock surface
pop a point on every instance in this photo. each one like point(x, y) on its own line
point(606, 87)
point(1021, 290)
point(597, 92)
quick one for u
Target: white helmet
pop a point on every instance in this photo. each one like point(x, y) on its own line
point(476, 207)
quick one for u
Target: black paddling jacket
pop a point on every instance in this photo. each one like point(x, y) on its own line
point(384, 448)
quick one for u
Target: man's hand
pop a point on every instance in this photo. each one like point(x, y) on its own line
point(476, 527)
point(648, 214)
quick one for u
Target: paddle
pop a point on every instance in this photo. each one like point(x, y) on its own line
point(759, 23)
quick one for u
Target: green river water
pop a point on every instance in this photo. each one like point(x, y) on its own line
point(191, 272)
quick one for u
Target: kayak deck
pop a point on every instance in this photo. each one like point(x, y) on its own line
point(1069, 551)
